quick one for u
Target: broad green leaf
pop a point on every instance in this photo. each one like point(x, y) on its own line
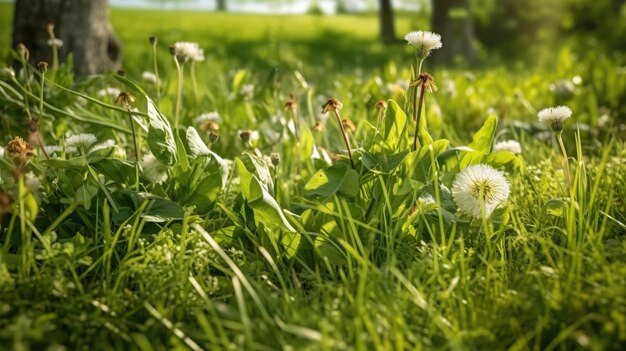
point(395, 132)
point(338, 179)
point(483, 139)
point(79, 163)
point(382, 162)
point(119, 171)
point(506, 159)
point(238, 79)
point(84, 194)
point(421, 162)
point(160, 137)
point(158, 209)
point(266, 210)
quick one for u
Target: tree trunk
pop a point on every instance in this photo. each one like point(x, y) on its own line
point(453, 21)
point(387, 27)
point(221, 6)
point(83, 25)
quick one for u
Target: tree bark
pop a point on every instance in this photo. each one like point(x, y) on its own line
point(453, 21)
point(83, 25)
point(387, 26)
point(221, 6)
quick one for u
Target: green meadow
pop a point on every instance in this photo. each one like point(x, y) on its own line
point(221, 209)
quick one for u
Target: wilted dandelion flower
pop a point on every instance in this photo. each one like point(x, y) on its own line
point(555, 116)
point(508, 145)
point(149, 77)
point(479, 185)
point(153, 169)
point(56, 42)
point(84, 140)
point(424, 42)
point(187, 51)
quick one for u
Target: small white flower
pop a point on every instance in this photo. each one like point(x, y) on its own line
point(188, 51)
point(113, 92)
point(56, 42)
point(424, 41)
point(555, 116)
point(508, 145)
point(149, 76)
point(480, 185)
point(31, 182)
point(58, 149)
point(153, 169)
point(247, 90)
point(209, 117)
point(84, 140)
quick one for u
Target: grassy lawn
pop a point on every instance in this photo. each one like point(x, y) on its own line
point(257, 231)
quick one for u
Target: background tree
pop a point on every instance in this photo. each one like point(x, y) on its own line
point(221, 5)
point(83, 25)
point(387, 25)
point(452, 19)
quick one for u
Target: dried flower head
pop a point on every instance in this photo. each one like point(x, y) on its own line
point(291, 104)
point(19, 150)
point(84, 140)
point(318, 127)
point(125, 99)
point(380, 105)
point(332, 105)
point(187, 51)
point(427, 81)
point(23, 51)
point(42, 66)
point(424, 42)
point(508, 145)
point(348, 125)
point(153, 40)
point(480, 187)
point(555, 116)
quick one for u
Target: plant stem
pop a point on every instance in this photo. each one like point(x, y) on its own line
point(179, 91)
point(156, 72)
point(345, 137)
point(39, 137)
point(132, 128)
point(193, 81)
point(419, 114)
point(568, 172)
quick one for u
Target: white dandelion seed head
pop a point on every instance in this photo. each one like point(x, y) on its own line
point(56, 42)
point(53, 150)
point(32, 182)
point(149, 77)
point(188, 51)
point(508, 145)
point(84, 140)
point(110, 91)
point(424, 41)
point(209, 117)
point(554, 114)
point(153, 169)
point(480, 184)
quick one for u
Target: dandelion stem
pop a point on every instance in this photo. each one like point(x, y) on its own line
point(418, 113)
point(568, 172)
point(156, 72)
point(179, 91)
point(345, 137)
point(296, 126)
point(39, 137)
point(132, 128)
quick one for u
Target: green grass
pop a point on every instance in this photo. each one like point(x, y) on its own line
point(233, 252)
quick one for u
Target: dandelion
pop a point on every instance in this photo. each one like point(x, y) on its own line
point(250, 137)
point(209, 121)
point(508, 145)
point(110, 91)
point(187, 51)
point(104, 145)
point(149, 77)
point(32, 182)
point(335, 105)
point(154, 170)
point(55, 43)
point(480, 187)
point(81, 141)
point(424, 42)
point(556, 117)
point(275, 159)
point(58, 149)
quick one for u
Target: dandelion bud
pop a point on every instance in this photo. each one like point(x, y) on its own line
point(318, 127)
point(22, 50)
point(42, 66)
point(214, 137)
point(7, 73)
point(19, 151)
point(348, 125)
point(275, 157)
point(332, 105)
point(153, 40)
point(121, 72)
point(291, 104)
point(50, 28)
point(380, 105)
point(172, 50)
point(125, 99)
point(245, 135)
